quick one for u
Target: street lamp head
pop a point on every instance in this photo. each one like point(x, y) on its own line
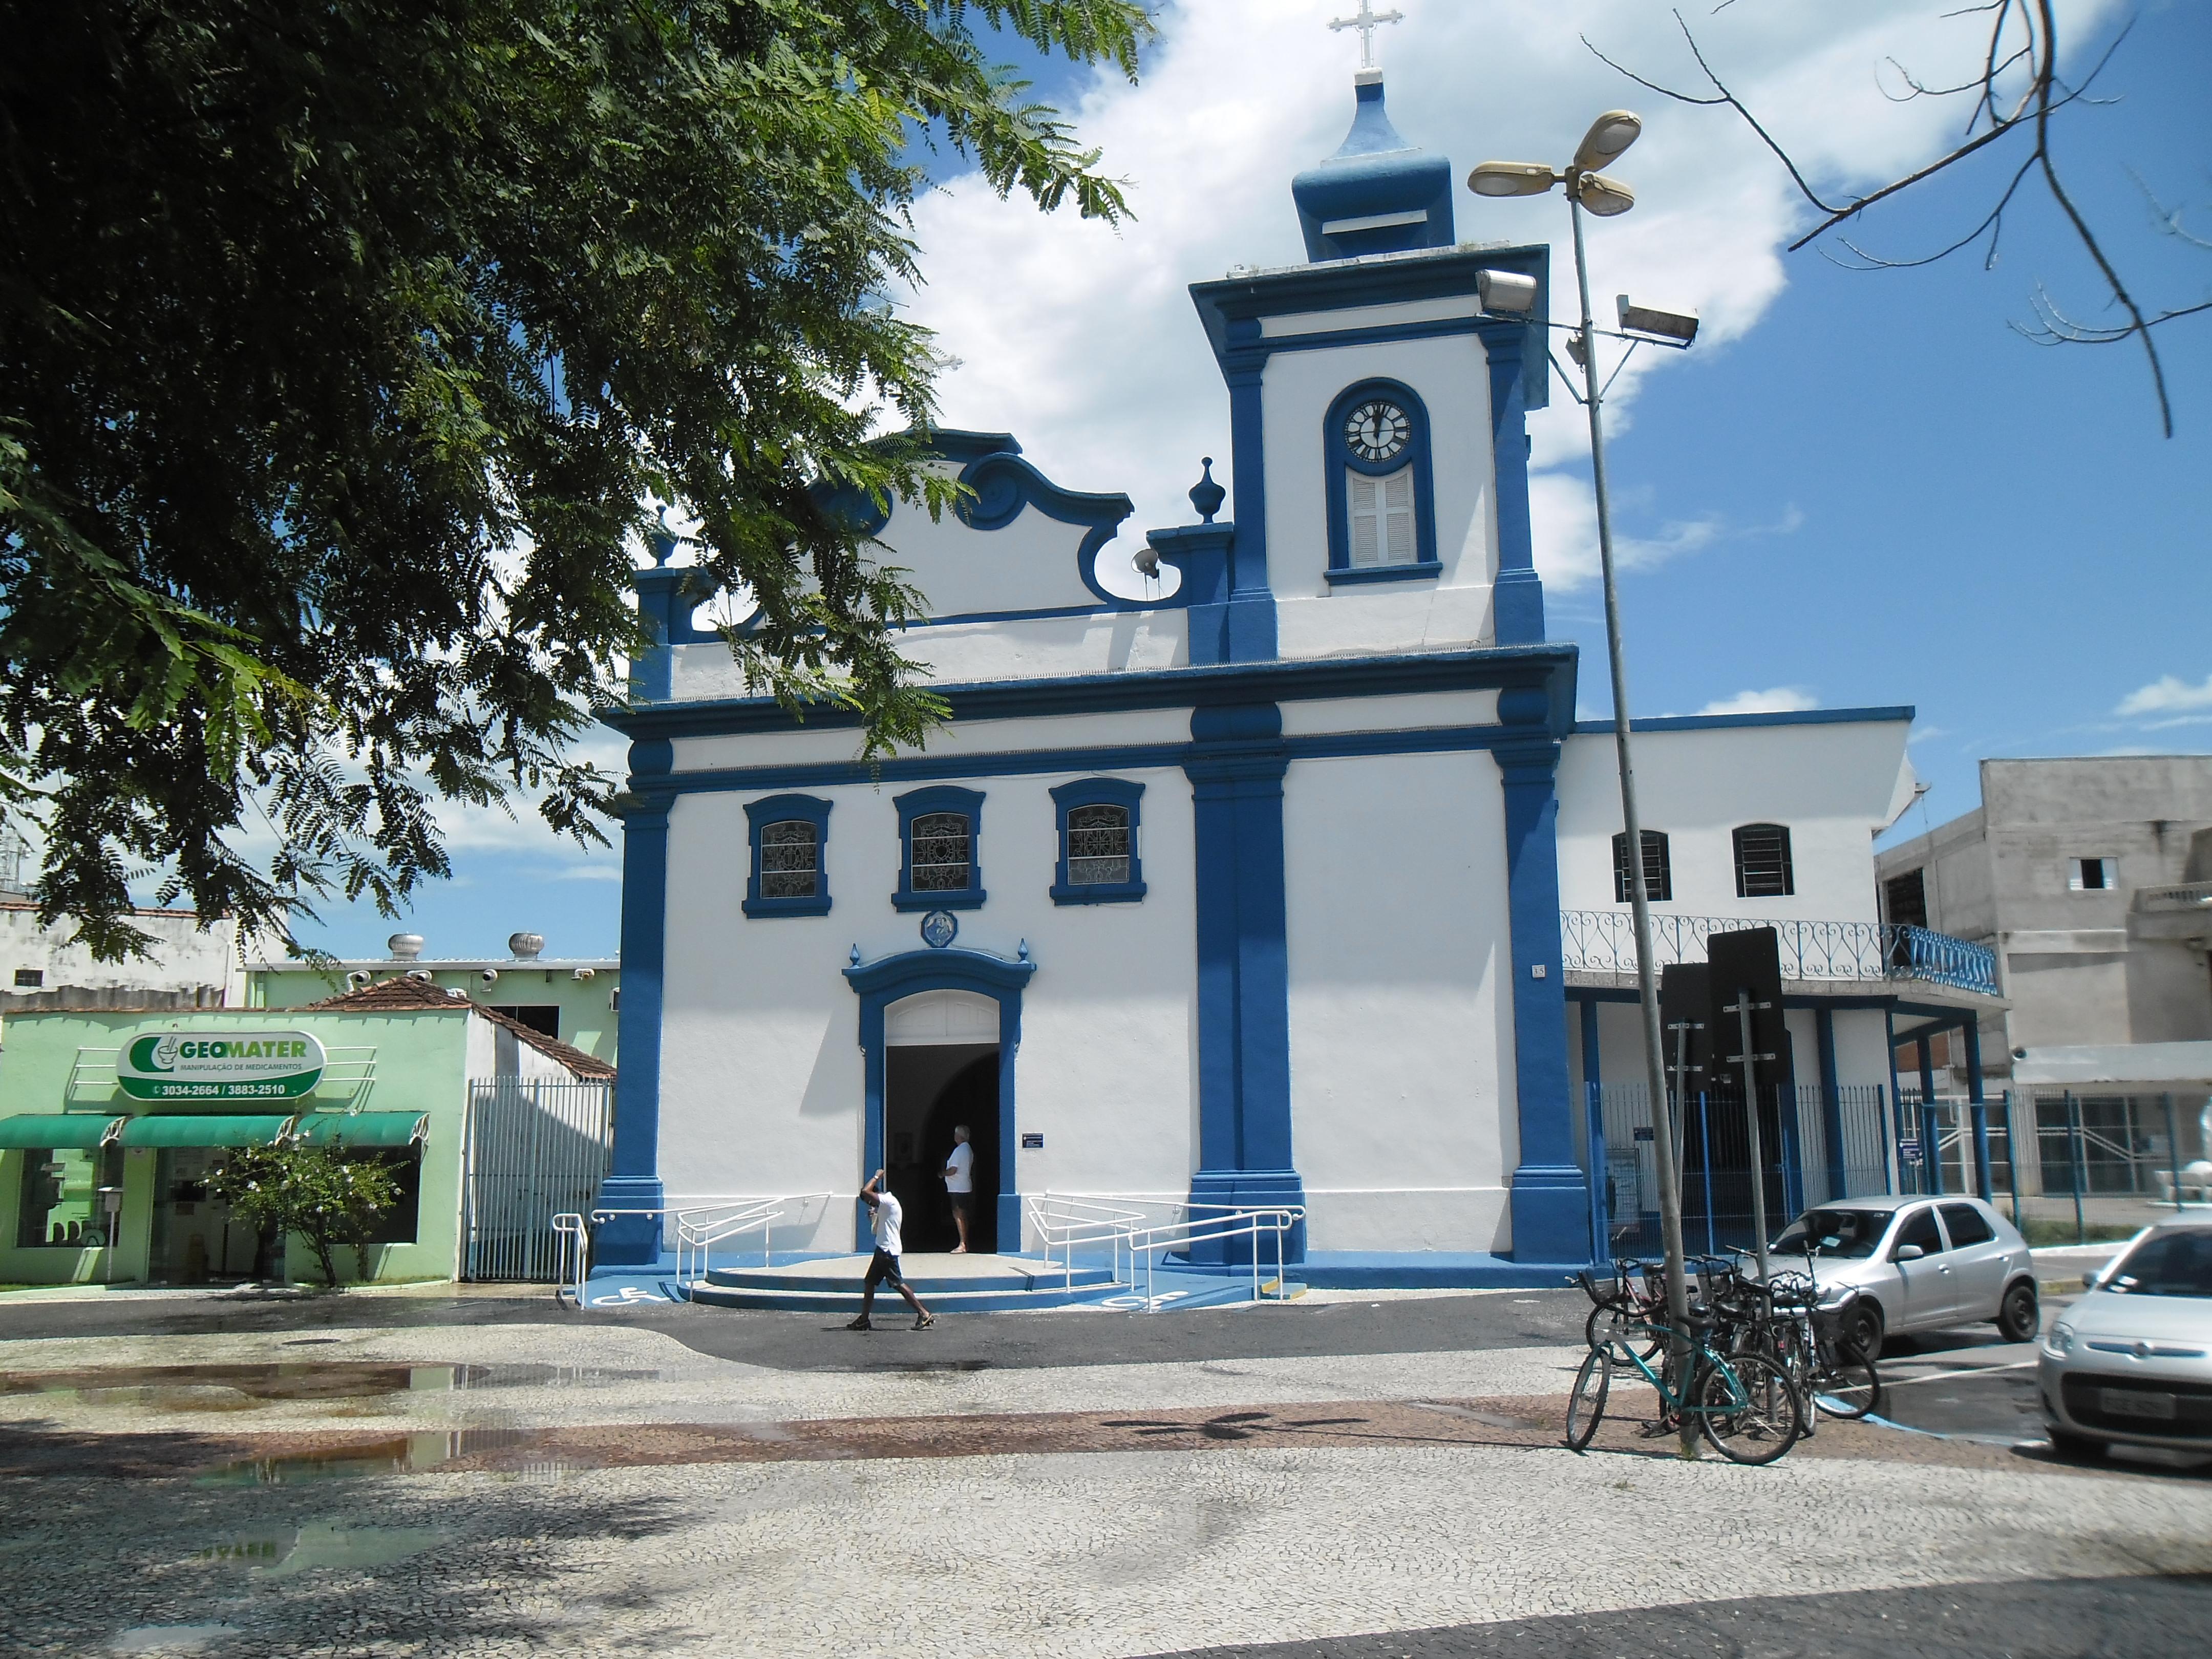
point(1505, 293)
point(1674, 328)
point(1608, 137)
point(1602, 197)
point(1511, 179)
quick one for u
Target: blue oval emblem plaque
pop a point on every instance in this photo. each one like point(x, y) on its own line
point(938, 929)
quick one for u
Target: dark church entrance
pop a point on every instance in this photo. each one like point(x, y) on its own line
point(929, 1090)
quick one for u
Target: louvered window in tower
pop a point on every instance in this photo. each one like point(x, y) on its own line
point(1382, 517)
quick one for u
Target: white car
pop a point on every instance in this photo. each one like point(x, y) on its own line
point(2131, 1361)
point(1919, 1264)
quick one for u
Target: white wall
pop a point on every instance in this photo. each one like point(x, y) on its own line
point(188, 959)
point(761, 1072)
point(1451, 373)
point(1833, 784)
point(1401, 1045)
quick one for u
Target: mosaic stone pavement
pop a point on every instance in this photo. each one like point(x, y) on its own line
point(535, 1487)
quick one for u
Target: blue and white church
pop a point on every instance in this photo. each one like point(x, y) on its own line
point(1262, 860)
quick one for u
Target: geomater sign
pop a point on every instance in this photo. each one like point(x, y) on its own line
point(228, 1066)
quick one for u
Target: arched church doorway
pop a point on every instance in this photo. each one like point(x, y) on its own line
point(941, 1071)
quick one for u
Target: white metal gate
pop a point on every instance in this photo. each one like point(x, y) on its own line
point(536, 1146)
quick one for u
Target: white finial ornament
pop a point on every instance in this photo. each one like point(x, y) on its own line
point(1367, 21)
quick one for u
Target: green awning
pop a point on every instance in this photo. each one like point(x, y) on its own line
point(364, 1128)
point(80, 1131)
point(190, 1129)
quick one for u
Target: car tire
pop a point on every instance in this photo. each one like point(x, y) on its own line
point(2078, 1448)
point(1865, 1333)
point(2019, 1316)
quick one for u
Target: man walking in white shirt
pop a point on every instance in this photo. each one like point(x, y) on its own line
point(883, 1265)
point(960, 1185)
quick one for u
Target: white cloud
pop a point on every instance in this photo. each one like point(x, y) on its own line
point(1081, 340)
point(2168, 695)
point(1775, 700)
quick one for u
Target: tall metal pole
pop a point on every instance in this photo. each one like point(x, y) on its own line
point(1647, 977)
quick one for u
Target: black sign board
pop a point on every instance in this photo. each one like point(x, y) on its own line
point(1032, 1141)
point(1685, 1000)
point(1749, 962)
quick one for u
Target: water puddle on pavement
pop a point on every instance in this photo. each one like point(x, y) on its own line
point(400, 1454)
point(239, 1388)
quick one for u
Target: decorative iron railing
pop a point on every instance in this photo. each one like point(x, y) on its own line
point(1604, 942)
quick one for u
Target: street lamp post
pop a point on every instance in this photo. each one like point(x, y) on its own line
point(1587, 188)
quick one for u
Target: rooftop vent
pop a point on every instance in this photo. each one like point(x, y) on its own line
point(525, 947)
point(404, 947)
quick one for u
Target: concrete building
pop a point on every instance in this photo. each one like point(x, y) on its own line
point(573, 999)
point(194, 964)
point(2092, 879)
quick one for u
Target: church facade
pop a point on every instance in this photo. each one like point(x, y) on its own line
point(1245, 872)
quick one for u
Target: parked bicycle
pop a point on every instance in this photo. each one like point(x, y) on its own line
point(1745, 1404)
point(1813, 1335)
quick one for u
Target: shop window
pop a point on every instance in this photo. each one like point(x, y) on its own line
point(60, 1205)
point(397, 1224)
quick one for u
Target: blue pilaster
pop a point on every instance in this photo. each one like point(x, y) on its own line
point(1517, 601)
point(1551, 1194)
point(633, 1182)
point(1251, 619)
point(1201, 552)
point(1832, 1101)
point(1235, 768)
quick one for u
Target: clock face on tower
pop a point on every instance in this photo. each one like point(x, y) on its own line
point(1378, 430)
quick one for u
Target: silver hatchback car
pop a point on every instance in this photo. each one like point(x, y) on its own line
point(2131, 1362)
point(1919, 1264)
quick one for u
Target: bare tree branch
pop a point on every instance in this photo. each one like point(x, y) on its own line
point(2023, 37)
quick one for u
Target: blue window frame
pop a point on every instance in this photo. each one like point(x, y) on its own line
point(939, 832)
point(1099, 861)
point(1381, 485)
point(790, 870)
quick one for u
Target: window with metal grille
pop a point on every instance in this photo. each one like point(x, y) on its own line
point(1658, 868)
point(1382, 517)
point(1905, 899)
point(790, 860)
point(939, 855)
point(1762, 861)
point(1098, 845)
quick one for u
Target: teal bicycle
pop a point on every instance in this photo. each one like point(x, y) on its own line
point(1744, 1403)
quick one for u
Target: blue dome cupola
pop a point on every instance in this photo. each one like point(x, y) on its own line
point(1377, 194)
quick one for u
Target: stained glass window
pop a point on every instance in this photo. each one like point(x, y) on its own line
point(940, 854)
point(790, 859)
point(1098, 845)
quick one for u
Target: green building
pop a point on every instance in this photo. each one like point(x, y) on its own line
point(573, 999)
point(112, 1121)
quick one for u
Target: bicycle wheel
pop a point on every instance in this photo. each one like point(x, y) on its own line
point(1586, 1405)
point(1753, 1417)
point(1849, 1386)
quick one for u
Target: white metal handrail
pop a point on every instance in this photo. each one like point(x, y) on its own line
point(571, 1239)
point(1063, 1224)
point(700, 1227)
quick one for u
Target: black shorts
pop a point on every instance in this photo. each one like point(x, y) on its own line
point(883, 1269)
point(964, 1204)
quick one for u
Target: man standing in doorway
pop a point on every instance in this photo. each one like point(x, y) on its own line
point(883, 1265)
point(960, 1184)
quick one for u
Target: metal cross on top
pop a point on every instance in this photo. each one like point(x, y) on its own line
point(1367, 21)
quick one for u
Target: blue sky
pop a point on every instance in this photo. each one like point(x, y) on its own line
point(1859, 487)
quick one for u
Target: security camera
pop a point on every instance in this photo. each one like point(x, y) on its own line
point(586, 974)
point(489, 976)
point(358, 978)
point(422, 974)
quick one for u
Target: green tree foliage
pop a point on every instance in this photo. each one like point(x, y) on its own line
point(320, 1193)
point(344, 348)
